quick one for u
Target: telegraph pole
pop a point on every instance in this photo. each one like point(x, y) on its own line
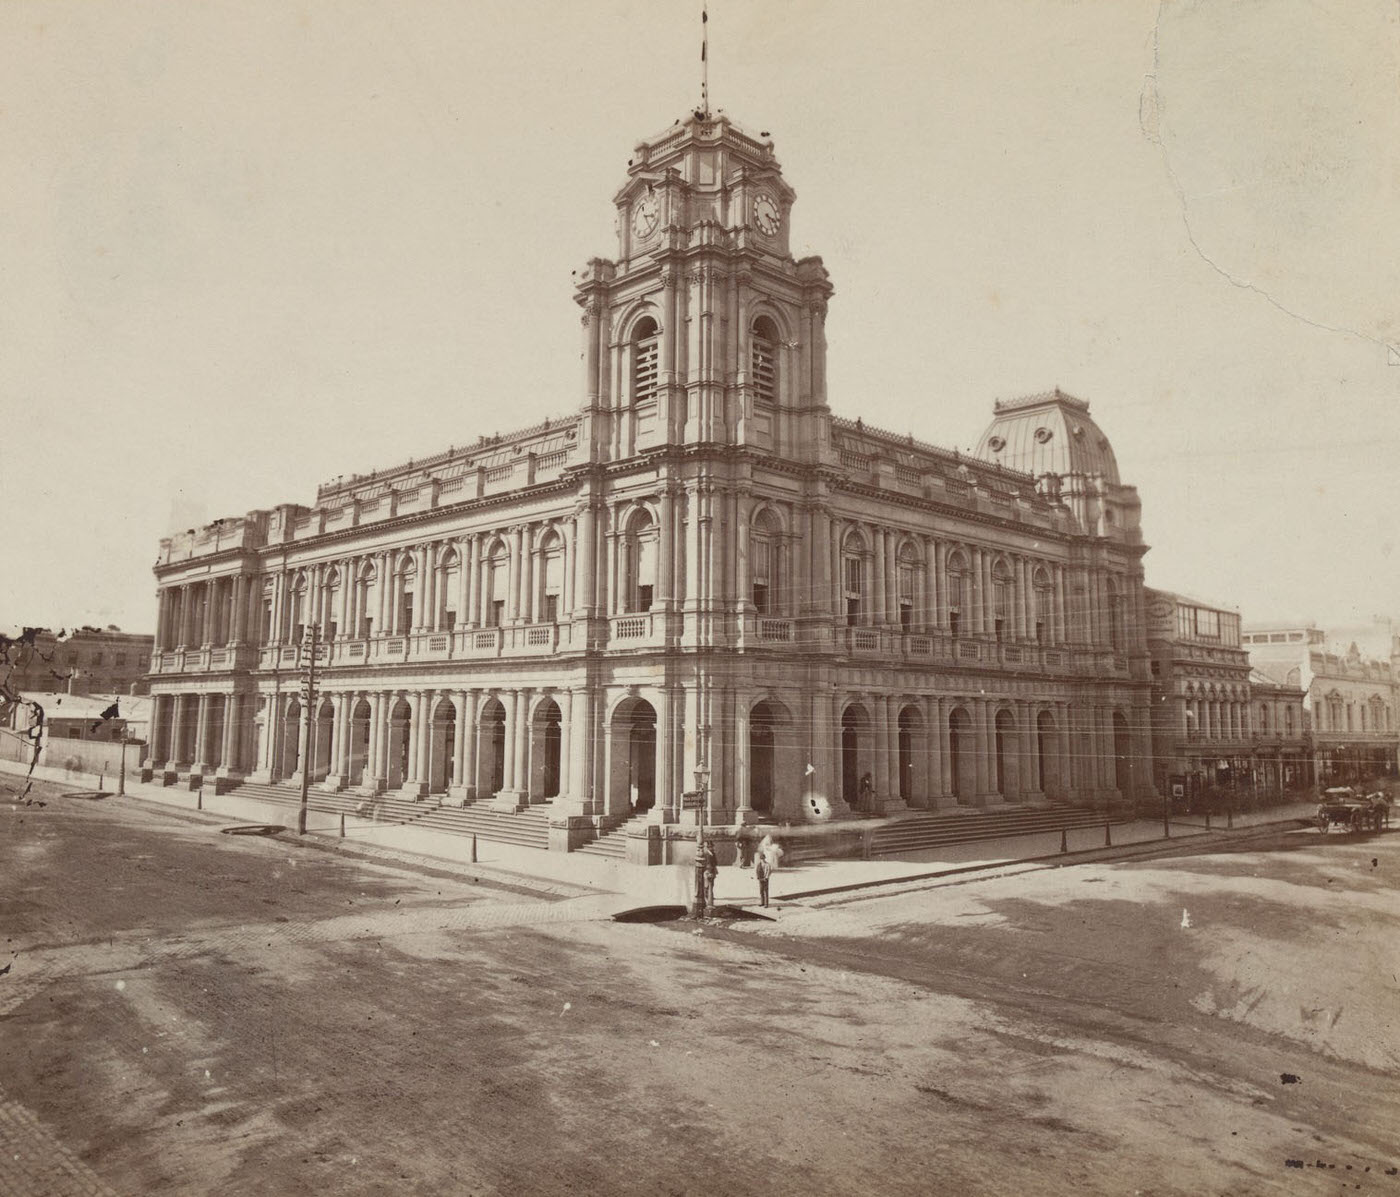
point(309, 647)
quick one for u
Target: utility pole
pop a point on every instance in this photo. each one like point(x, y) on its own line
point(309, 646)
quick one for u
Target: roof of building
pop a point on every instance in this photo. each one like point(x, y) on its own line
point(132, 708)
point(1051, 433)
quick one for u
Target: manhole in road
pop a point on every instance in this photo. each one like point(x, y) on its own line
point(670, 914)
point(253, 829)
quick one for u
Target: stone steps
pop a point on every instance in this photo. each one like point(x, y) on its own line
point(918, 832)
point(528, 828)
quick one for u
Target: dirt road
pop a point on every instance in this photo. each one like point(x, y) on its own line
point(189, 1012)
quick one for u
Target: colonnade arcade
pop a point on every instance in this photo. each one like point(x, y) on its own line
point(629, 754)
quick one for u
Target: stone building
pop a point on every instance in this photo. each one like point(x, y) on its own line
point(1351, 700)
point(699, 579)
point(82, 661)
point(1201, 716)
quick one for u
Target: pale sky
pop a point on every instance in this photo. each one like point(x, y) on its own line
point(247, 247)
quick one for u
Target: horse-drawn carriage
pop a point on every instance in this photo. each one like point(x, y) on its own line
point(1348, 809)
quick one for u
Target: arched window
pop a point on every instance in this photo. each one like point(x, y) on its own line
point(449, 576)
point(330, 605)
point(407, 580)
point(765, 548)
point(853, 578)
point(646, 342)
point(957, 591)
point(640, 582)
point(1264, 718)
point(763, 359)
point(297, 609)
point(1042, 604)
point(905, 581)
point(496, 584)
point(1003, 594)
point(364, 588)
point(551, 579)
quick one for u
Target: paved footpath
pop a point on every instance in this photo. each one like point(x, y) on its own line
point(567, 875)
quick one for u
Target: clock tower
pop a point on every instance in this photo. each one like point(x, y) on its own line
point(704, 329)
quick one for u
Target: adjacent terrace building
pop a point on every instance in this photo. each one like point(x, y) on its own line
point(1351, 699)
point(701, 578)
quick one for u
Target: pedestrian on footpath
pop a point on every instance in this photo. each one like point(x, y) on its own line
point(710, 869)
point(763, 869)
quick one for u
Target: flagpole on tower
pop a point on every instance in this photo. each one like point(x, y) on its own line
point(705, 61)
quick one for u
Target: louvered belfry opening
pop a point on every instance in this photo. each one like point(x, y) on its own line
point(645, 357)
point(764, 360)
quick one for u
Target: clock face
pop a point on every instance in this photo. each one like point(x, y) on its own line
point(644, 216)
point(766, 215)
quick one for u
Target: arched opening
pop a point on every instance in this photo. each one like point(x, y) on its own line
point(1042, 606)
point(359, 742)
point(496, 584)
point(853, 579)
point(632, 751)
point(639, 584)
point(857, 782)
point(762, 758)
point(491, 758)
point(365, 598)
point(765, 566)
point(550, 597)
point(957, 597)
point(447, 588)
point(763, 359)
point(1122, 756)
point(443, 750)
point(1045, 763)
point(321, 742)
point(962, 754)
point(291, 738)
point(910, 753)
point(1006, 745)
point(908, 568)
point(1003, 596)
point(646, 341)
point(545, 740)
point(400, 731)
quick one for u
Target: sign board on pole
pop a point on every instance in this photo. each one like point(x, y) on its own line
point(693, 800)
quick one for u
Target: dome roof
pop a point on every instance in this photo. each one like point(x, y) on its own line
point(1048, 434)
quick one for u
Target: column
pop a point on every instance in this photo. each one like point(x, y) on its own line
point(520, 745)
point(465, 727)
point(424, 729)
point(819, 568)
point(201, 745)
point(508, 702)
point(975, 599)
point(943, 708)
point(580, 788)
point(880, 714)
point(879, 603)
point(383, 707)
point(565, 699)
point(228, 755)
point(585, 562)
point(742, 764)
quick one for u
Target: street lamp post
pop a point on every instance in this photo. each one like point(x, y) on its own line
point(702, 783)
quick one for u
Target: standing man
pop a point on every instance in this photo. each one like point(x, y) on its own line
point(709, 868)
point(763, 869)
